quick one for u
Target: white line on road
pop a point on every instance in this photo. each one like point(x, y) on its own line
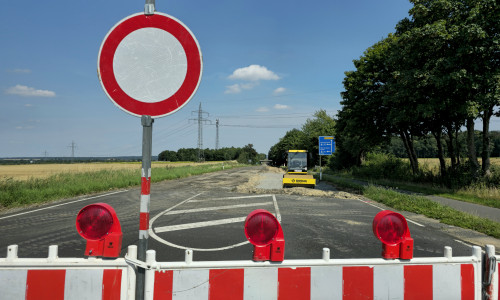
point(66, 203)
point(169, 211)
point(170, 208)
point(199, 224)
point(463, 243)
point(278, 215)
point(418, 224)
point(182, 211)
point(366, 202)
point(230, 198)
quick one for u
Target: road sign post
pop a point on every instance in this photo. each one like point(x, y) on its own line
point(326, 147)
point(147, 141)
point(150, 66)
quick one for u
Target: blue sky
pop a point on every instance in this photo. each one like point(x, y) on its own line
point(267, 67)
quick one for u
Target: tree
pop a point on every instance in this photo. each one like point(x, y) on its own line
point(321, 125)
point(362, 121)
point(248, 155)
point(293, 139)
point(187, 154)
point(168, 155)
point(463, 59)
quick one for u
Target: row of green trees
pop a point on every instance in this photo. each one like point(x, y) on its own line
point(245, 155)
point(304, 139)
point(439, 72)
point(426, 147)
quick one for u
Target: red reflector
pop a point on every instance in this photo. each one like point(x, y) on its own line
point(391, 229)
point(94, 222)
point(261, 229)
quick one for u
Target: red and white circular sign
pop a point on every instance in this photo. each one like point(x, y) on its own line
point(150, 64)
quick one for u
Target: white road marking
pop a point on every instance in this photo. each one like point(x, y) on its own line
point(230, 198)
point(169, 209)
point(183, 211)
point(208, 223)
point(418, 224)
point(463, 243)
point(366, 202)
point(278, 215)
point(199, 224)
point(66, 203)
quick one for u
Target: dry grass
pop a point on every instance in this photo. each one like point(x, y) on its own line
point(25, 172)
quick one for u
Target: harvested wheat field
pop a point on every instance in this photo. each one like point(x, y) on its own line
point(432, 164)
point(24, 172)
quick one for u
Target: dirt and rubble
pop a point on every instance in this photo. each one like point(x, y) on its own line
point(269, 180)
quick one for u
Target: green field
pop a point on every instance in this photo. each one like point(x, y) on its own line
point(16, 192)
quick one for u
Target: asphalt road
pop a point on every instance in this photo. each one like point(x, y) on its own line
point(206, 213)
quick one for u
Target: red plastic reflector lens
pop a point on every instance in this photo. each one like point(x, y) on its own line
point(391, 229)
point(261, 229)
point(94, 222)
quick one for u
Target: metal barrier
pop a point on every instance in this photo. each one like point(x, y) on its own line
point(66, 278)
point(419, 278)
point(491, 278)
point(444, 277)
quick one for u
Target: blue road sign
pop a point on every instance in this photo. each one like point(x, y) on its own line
point(326, 145)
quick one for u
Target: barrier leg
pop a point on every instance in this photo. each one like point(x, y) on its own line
point(490, 274)
point(149, 284)
point(131, 271)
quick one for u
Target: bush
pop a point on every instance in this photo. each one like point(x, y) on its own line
point(380, 165)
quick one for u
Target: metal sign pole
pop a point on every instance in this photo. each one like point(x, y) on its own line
point(147, 141)
point(149, 7)
point(320, 169)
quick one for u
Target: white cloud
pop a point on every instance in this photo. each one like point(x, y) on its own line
point(28, 105)
point(279, 90)
point(233, 89)
point(262, 109)
point(253, 73)
point(27, 91)
point(281, 106)
point(238, 87)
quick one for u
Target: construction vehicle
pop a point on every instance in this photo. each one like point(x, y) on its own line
point(296, 173)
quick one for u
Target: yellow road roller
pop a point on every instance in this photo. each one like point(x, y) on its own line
point(296, 173)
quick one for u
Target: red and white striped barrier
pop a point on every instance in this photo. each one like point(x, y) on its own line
point(92, 278)
point(55, 278)
point(421, 278)
point(61, 284)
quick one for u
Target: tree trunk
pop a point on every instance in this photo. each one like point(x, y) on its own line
point(485, 155)
point(410, 150)
point(451, 146)
point(471, 146)
point(442, 161)
point(457, 145)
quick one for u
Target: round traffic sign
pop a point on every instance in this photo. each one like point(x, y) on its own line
point(150, 64)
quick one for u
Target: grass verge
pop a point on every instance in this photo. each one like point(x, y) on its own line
point(479, 195)
point(14, 193)
point(421, 205)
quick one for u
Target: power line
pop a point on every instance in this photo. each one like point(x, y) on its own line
point(258, 126)
point(274, 116)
